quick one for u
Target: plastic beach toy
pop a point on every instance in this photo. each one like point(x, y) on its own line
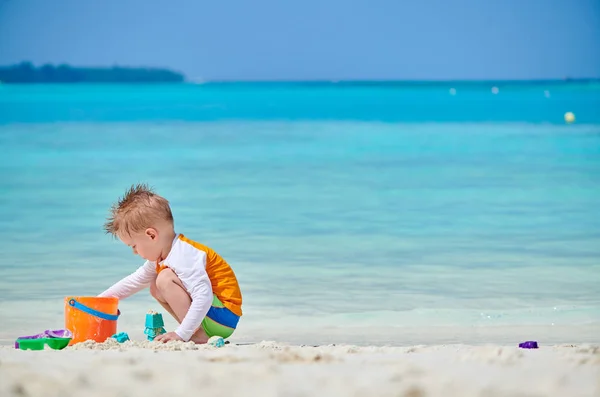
point(216, 341)
point(121, 337)
point(531, 344)
point(154, 325)
point(57, 340)
point(92, 318)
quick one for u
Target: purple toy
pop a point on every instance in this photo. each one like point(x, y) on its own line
point(58, 333)
point(531, 344)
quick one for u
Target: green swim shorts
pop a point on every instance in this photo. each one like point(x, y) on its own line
point(219, 321)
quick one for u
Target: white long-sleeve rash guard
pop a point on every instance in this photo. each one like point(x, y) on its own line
point(189, 264)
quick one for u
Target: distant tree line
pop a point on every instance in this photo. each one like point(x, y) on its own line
point(26, 72)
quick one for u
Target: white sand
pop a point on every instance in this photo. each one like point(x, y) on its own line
point(268, 369)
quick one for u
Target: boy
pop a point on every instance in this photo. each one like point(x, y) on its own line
point(191, 281)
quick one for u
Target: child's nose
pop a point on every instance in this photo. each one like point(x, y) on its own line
point(134, 251)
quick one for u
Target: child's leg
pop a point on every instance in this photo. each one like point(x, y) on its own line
point(168, 290)
point(158, 296)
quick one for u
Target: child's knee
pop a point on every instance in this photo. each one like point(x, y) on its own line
point(166, 279)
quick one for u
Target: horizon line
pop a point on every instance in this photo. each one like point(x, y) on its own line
point(186, 78)
point(396, 80)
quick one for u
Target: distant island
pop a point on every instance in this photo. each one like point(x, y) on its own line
point(27, 73)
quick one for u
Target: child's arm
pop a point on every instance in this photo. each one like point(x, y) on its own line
point(133, 283)
point(196, 281)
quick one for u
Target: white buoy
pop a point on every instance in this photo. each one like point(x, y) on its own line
point(569, 117)
point(452, 91)
point(495, 90)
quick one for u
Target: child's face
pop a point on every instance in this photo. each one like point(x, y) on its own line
point(144, 244)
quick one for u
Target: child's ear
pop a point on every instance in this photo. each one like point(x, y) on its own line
point(150, 232)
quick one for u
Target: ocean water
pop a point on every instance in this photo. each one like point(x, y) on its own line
point(358, 213)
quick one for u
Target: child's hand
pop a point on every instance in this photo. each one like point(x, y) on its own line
point(169, 336)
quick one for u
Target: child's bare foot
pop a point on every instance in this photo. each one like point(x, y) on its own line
point(199, 337)
point(199, 340)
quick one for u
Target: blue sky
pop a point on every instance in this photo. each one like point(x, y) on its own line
point(312, 39)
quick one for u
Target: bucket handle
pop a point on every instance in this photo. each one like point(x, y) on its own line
point(89, 310)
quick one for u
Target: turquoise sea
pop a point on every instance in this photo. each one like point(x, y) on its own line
point(351, 212)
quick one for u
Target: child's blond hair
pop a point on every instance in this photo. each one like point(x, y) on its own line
point(139, 209)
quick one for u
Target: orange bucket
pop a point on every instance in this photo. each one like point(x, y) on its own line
point(91, 318)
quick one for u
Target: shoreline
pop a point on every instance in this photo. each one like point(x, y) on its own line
point(395, 337)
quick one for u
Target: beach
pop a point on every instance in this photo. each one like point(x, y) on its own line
point(393, 200)
point(274, 369)
point(414, 236)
